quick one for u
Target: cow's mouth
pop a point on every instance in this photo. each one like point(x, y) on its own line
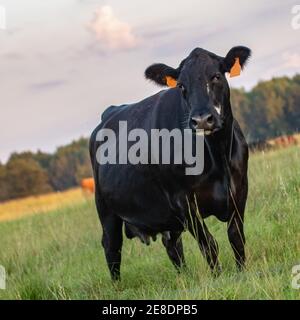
point(203, 132)
point(206, 132)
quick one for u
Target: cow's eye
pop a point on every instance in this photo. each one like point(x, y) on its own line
point(216, 77)
point(182, 88)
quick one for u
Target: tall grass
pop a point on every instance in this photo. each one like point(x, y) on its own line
point(59, 255)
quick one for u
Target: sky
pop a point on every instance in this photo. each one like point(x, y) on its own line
point(62, 62)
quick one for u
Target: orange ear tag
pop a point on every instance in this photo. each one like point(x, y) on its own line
point(171, 82)
point(236, 68)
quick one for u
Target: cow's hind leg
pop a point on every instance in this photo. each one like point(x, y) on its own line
point(173, 244)
point(207, 243)
point(112, 239)
point(112, 243)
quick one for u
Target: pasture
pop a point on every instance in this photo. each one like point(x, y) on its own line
point(58, 255)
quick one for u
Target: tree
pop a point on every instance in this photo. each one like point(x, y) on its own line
point(69, 165)
point(24, 177)
point(241, 108)
point(4, 192)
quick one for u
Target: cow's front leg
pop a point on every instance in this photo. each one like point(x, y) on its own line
point(207, 243)
point(173, 244)
point(237, 238)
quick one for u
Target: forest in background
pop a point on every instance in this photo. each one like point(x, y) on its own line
point(270, 109)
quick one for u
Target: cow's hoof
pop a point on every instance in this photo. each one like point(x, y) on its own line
point(216, 271)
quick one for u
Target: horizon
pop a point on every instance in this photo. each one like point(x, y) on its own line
point(75, 139)
point(67, 84)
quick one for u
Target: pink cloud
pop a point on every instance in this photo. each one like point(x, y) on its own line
point(110, 31)
point(291, 60)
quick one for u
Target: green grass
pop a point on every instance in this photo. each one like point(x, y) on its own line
point(59, 255)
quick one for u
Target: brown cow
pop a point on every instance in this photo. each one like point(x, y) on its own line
point(88, 185)
point(292, 140)
point(283, 141)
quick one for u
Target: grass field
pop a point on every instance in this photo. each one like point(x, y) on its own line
point(15, 209)
point(58, 255)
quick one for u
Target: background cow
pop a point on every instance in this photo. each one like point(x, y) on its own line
point(152, 199)
point(88, 185)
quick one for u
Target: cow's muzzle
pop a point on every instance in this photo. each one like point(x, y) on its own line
point(206, 122)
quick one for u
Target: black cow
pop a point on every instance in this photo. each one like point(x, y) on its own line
point(152, 199)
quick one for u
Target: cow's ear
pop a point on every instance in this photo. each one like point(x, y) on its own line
point(162, 75)
point(236, 59)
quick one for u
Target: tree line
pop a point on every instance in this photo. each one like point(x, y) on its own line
point(29, 173)
point(270, 109)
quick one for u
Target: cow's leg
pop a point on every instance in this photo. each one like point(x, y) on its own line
point(235, 227)
point(173, 244)
point(237, 238)
point(112, 239)
point(207, 243)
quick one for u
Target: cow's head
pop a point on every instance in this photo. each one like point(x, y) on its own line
point(203, 85)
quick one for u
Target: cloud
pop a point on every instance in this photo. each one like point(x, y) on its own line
point(47, 85)
point(110, 31)
point(291, 60)
point(12, 56)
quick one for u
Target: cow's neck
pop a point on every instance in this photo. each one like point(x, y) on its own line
point(227, 139)
point(220, 144)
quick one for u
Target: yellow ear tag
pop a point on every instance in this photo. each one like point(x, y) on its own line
point(236, 68)
point(171, 82)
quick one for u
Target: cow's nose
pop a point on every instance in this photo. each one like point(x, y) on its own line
point(204, 122)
